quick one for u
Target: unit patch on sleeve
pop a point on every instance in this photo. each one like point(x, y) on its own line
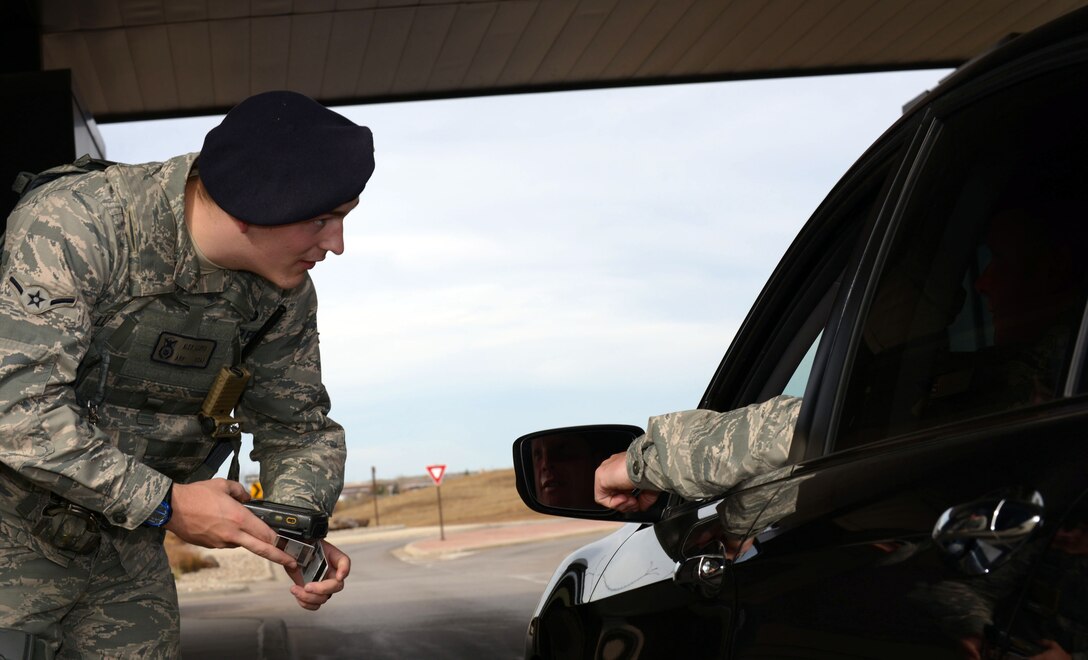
point(182, 351)
point(37, 300)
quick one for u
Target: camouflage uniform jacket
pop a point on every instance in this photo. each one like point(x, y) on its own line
point(111, 250)
point(703, 453)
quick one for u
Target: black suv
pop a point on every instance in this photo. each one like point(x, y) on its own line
point(932, 315)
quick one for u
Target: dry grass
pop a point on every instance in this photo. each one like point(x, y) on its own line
point(476, 498)
point(185, 558)
point(483, 497)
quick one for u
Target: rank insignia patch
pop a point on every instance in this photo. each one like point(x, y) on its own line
point(37, 300)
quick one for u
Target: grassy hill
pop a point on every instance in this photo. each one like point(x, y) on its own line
point(475, 498)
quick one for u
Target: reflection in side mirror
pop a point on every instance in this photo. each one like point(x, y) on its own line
point(555, 468)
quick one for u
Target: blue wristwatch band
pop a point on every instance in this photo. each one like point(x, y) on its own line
point(161, 515)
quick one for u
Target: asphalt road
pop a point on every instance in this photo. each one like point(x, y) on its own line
point(475, 605)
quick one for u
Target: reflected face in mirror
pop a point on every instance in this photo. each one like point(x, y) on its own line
point(563, 467)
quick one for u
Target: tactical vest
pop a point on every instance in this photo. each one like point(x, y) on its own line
point(147, 373)
point(156, 352)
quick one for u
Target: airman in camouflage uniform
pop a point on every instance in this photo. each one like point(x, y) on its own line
point(699, 453)
point(123, 292)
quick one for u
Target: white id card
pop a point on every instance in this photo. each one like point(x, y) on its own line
point(311, 558)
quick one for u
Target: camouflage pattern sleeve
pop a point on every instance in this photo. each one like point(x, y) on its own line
point(60, 256)
point(703, 453)
point(300, 449)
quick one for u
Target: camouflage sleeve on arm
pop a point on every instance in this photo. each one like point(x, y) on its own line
point(703, 453)
point(57, 260)
point(300, 449)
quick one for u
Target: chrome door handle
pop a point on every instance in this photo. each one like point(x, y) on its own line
point(982, 535)
point(704, 574)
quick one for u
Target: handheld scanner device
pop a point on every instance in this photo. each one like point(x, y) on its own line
point(299, 533)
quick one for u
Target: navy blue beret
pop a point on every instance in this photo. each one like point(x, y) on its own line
point(281, 157)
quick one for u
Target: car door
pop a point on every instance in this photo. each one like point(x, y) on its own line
point(938, 507)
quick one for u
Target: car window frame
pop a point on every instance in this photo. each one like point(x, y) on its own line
point(779, 310)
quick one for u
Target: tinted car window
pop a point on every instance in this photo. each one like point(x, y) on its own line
point(979, 303)
point(784, 344)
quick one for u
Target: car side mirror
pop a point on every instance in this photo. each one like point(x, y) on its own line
point(555, 469)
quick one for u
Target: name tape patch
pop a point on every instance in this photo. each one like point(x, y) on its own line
point(182, 351)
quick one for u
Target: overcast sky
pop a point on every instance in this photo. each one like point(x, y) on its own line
point(526, 262)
